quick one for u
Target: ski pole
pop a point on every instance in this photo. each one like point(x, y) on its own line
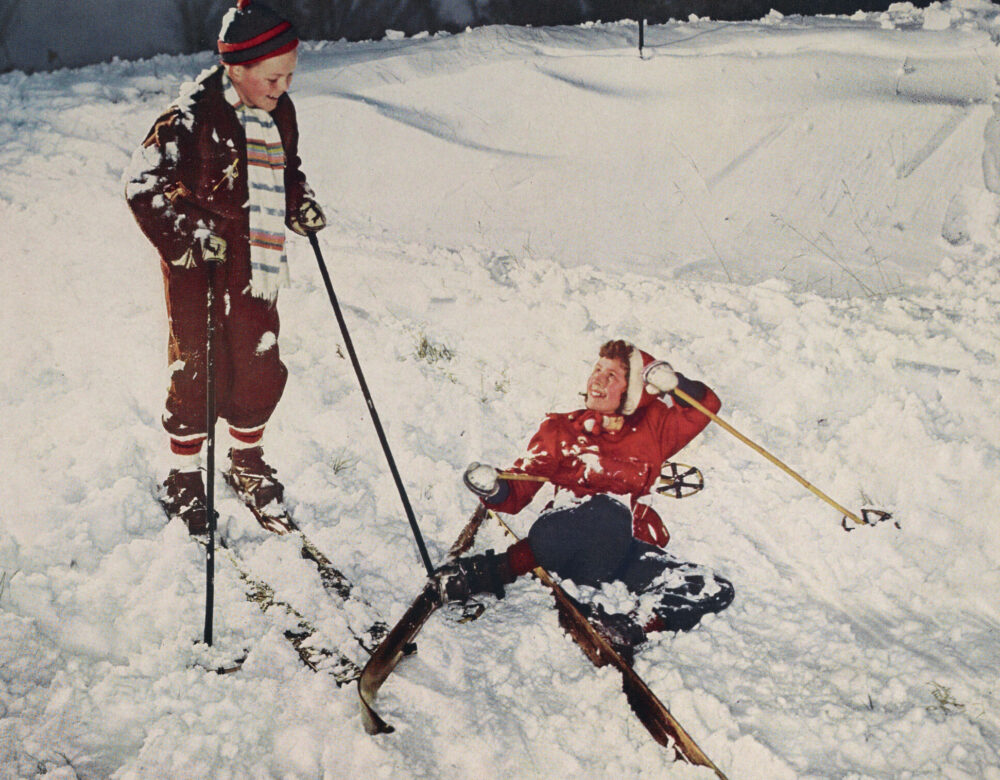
point(371, 406)
point(676, 480)
point(516, 476)
point(210, 454)
point(756, 447)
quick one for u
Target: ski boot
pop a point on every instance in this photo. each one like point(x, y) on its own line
point(618, 630)
point(182, 495)
point(473, 574)
point(257, 486)
point(681, 606)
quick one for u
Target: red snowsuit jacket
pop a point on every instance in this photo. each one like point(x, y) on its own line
point(575, 453)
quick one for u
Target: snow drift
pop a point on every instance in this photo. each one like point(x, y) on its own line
point(791, 210)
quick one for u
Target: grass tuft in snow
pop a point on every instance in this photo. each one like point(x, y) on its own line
point(431, 352)
point(342, 462)
point(500, 385)
point(944, 702)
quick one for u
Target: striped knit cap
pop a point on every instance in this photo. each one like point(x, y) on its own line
point(252, 32)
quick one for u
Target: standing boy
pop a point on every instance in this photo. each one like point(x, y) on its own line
point(213, 187)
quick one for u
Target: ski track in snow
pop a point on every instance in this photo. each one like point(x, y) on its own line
point(516, 198)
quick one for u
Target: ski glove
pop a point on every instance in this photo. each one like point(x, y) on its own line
point(208, 248)
point(308, 219)
point(659, 377)
point(482, 480)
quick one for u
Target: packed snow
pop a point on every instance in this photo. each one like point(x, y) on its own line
point(792, 210)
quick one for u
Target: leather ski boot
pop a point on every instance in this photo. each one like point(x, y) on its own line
point(182, 495)
point(473, 574)
point(257, 485)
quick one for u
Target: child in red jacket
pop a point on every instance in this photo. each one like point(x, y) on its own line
point(598, 528)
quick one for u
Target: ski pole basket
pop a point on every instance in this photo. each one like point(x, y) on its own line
point(678, 480)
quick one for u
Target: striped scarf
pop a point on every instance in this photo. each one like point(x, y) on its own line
point(266, 185)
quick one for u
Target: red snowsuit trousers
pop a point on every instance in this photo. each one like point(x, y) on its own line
point(249, 374)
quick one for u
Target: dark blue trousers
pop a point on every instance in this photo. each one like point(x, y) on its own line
point(592, 542)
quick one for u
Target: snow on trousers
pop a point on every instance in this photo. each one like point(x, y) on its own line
point(592, 542)
point(189, 179)
point(249, 374)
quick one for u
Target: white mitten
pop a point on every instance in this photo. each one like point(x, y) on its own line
point(309, 219)
point(481, 479)
point(659, 377)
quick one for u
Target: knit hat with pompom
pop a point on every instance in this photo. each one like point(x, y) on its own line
point(252, 32)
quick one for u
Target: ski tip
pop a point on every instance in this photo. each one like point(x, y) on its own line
point(372, 720)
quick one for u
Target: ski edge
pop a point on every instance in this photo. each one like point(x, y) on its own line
point(389, 653)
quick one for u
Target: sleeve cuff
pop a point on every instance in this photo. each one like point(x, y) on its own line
point(692, 388)
point(502, 494)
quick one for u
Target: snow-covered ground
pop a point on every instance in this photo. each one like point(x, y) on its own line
point(762, 204)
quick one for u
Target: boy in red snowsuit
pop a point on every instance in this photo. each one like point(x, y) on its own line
point(598, 528)
point(215, 183)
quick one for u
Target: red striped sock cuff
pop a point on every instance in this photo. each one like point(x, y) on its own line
point(248, 437)
point(187, 445)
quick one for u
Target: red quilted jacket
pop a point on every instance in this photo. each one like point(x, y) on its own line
point(575, 453)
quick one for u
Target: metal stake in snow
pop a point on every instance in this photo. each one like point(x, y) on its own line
point(868, 516)
point(371, 406)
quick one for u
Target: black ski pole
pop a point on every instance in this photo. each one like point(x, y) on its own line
point(210, 454)
point(371, 406)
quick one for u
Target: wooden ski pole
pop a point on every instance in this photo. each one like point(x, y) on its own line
point(757, 448)
point(515, 476)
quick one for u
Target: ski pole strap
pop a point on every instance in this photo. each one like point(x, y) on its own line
point(847, 513)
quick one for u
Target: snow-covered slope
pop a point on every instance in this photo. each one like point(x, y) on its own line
point(762, 204)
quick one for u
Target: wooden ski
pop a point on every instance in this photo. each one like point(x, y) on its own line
point(653, 714)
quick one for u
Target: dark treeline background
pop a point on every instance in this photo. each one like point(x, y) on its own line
point(49, 34)
point(369, 19)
